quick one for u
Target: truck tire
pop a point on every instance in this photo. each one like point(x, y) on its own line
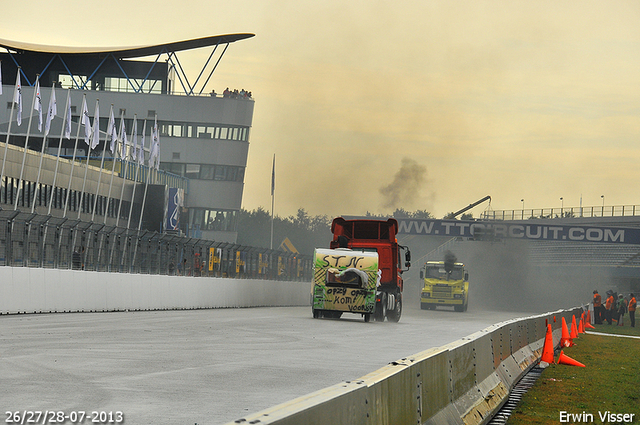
point(316, 314)
point(381, 309)
point(394, 315)
point(367, 317)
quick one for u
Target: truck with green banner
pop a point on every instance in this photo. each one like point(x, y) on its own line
point(361, 271)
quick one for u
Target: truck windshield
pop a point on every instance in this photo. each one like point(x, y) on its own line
point(438, 272)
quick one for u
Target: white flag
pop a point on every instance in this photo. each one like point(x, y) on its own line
point(95, 141)
point(125, 141)
point(67, 126)
point(141, 147)
point(122, 136)
point(17, 98)
point(154, 160)
point(111, 131)
point(134, 141)
point(53, 110)
point(86, 121)
point(38, 104)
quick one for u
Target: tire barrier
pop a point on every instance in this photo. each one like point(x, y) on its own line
point(464, 382)
point(37, 290)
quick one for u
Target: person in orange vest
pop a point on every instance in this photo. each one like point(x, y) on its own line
point(632, 310)
point(609, 305)
point(597, 307)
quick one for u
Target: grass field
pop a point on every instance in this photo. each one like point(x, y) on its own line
point(609, 384)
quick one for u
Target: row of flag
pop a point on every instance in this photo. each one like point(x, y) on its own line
point(92, 131)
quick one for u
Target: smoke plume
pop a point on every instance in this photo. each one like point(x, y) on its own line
point(406, 185)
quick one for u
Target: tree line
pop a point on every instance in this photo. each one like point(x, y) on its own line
point(305, 231)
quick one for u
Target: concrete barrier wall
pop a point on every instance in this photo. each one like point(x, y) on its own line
point(33, 290)
point(465, 382)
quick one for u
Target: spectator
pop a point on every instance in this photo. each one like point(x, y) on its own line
point(77, 259)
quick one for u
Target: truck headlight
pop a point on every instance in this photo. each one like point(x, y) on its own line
point(457, 296)
point(426, 295)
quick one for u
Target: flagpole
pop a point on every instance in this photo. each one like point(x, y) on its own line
point(26, 143)
point(151, 155)
point(86, 168)
point(73, 162)
point(6, 141)
point(134, 130)
point(51, 111)
point(135, 179)
point(62, 131)
point(104, 149)
point(113, 148)
point(273, 188)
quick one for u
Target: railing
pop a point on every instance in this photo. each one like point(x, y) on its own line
point(31, 240)
point(570, 212)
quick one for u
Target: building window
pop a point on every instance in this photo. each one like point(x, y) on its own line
point(193, 171)
point(216, 220)
point(207, 172)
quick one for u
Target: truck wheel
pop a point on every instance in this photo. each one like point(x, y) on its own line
point(367, 317)
point(394, 315)
point(381, 310)
point(458, 308)
point(316, 314)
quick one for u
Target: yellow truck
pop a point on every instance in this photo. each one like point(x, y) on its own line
point(445, 284)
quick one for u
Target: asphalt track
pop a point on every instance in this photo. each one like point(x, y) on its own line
point(203, 367)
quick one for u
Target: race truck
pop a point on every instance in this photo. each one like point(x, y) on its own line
point(361, 272)
point(445, 283)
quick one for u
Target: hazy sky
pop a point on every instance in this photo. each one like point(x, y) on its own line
point(372, 105)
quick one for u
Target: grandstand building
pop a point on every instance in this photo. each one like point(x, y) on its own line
point(203, 138)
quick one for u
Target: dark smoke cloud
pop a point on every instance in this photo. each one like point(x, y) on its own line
point(405, 188)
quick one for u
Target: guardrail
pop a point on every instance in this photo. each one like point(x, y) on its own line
point(570, 212)
point(465, 382)
point(32, 240)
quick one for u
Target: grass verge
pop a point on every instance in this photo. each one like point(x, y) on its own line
point(610, 382)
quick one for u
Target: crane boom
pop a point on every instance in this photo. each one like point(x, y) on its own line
point(468, 207)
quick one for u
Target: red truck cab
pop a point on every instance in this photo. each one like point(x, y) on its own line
point(380, 236)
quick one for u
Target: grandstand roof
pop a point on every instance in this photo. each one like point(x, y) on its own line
point(125, 52)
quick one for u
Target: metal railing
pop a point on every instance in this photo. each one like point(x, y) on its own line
point(32, 240)
point(570, 212)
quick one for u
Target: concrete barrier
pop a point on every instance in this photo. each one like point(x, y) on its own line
point(33, 290)
point(465, 382)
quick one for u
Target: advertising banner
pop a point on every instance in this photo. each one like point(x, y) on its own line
point(522, 230)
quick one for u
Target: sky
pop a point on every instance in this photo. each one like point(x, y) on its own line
point(372, 105)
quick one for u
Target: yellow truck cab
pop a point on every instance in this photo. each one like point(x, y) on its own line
point(446, 286)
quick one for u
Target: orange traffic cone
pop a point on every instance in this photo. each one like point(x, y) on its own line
point(581, 325)
point(565, 341)
point(564, 359)
point(589, 326)
point(574, 329)
point(547, 348)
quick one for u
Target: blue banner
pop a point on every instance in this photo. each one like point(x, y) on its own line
point(530, 231)
point(176, 201)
